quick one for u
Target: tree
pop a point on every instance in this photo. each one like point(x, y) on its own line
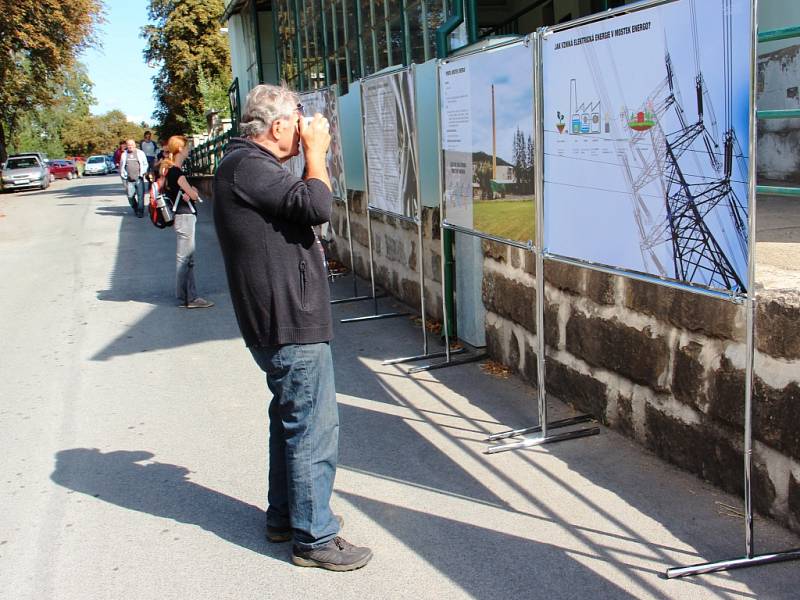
point(39, 42)
point(41, 128)
point(185, 41)
point(99, 134)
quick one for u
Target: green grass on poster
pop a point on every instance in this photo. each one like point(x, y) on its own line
point(512, 220)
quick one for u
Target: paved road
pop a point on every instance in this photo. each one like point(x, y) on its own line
point(133, 443)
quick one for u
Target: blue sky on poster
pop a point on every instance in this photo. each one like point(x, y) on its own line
point(510, 70)
point(589, 207)
point(122, 79)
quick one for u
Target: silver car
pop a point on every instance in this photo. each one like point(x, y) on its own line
point(21, 172)
point(96, 165)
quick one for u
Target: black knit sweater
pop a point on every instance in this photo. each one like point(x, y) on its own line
point(274, 261)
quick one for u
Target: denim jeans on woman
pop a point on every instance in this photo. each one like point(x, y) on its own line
point(184, 258)
point(303, 440)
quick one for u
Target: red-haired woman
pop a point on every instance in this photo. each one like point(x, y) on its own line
point(183, 196)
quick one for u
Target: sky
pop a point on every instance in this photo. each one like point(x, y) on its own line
point(117, 68)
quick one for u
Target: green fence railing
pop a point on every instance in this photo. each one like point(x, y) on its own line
point(788, 113)
point(203, 159)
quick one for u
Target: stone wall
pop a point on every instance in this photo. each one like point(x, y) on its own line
point(660, 365)
point(394, 250)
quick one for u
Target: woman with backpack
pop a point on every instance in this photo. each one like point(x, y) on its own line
point(182, 196)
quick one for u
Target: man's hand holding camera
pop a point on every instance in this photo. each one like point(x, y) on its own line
point(315, 136)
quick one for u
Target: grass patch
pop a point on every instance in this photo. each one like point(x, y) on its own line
point(512, 220)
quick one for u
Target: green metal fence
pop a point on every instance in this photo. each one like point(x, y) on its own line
point(789, 113)
point(203, 159)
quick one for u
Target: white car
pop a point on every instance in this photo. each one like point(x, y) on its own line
point(96, 165)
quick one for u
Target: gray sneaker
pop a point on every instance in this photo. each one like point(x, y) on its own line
point(199, 303)
point(276, 535)
point(336, 555)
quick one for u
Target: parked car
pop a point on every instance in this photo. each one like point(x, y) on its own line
point(97, 165)
point(26, 171)
point(62, 169)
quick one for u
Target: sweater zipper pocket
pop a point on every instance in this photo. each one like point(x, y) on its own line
point(303, 284)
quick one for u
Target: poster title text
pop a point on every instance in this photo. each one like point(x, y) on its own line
point(603, 35)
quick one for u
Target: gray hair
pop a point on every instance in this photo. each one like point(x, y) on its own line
point(264, 104)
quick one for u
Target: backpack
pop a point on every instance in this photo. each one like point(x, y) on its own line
point(161, 214)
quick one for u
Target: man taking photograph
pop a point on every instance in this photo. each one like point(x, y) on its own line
point(275, 266)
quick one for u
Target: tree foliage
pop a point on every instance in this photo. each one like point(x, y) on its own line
point(99, 134)
point(41, 128)
point(39, 42)
point(185, 41)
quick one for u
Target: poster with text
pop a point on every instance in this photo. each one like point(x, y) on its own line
point(323, 101)
point(486, 107)
point(646, 136)
point(390, 142)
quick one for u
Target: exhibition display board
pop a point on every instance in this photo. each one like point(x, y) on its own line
point(390, 143)
point(646, 142)
point(325, 102)
point(487, 128)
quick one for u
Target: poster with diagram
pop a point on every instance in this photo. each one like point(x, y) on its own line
point(390, 142)
point(646, 136)
point(324, 101)
point(487, 122)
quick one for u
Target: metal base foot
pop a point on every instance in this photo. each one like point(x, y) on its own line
point(397, 361)
point(391, 315)
point(549, 439)
point(449, 363)
point(356, 299)
point(736, 563)
point(554, 425)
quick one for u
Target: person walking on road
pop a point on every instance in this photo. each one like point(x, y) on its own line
point(275, 267)
point(183, 197)
point(150, 149)
point(132, 169)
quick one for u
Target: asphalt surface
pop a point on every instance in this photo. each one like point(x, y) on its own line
point(133, 439)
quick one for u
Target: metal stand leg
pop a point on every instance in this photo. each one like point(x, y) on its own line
point(355, 297)
point(373, 296)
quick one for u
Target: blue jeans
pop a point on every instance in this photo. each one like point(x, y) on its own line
point(135, 190)
point(303, 440)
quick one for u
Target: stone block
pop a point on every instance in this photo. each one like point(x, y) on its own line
point(776, 412)
point(435, 227)
point(600, 287)
point(494, 343)
point(359, 233)
point(778, 326)
point(409, 292)
point(436, 268)
point(707, 453)
point(624, 420)
point(510, 299)
point(613, 345)
point(688, 376)
point(566, 278)
point(495, 250)
point(531, 371)
point(794, 499)
point(582, 391)
point(515, 254)
point(412, 257)
point(513, 353)
point(395, 251)
point(693, 312)
point(529, 263)
point(551, 329)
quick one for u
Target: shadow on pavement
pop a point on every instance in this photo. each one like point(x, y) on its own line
point(144, 272)
point(132, 480)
